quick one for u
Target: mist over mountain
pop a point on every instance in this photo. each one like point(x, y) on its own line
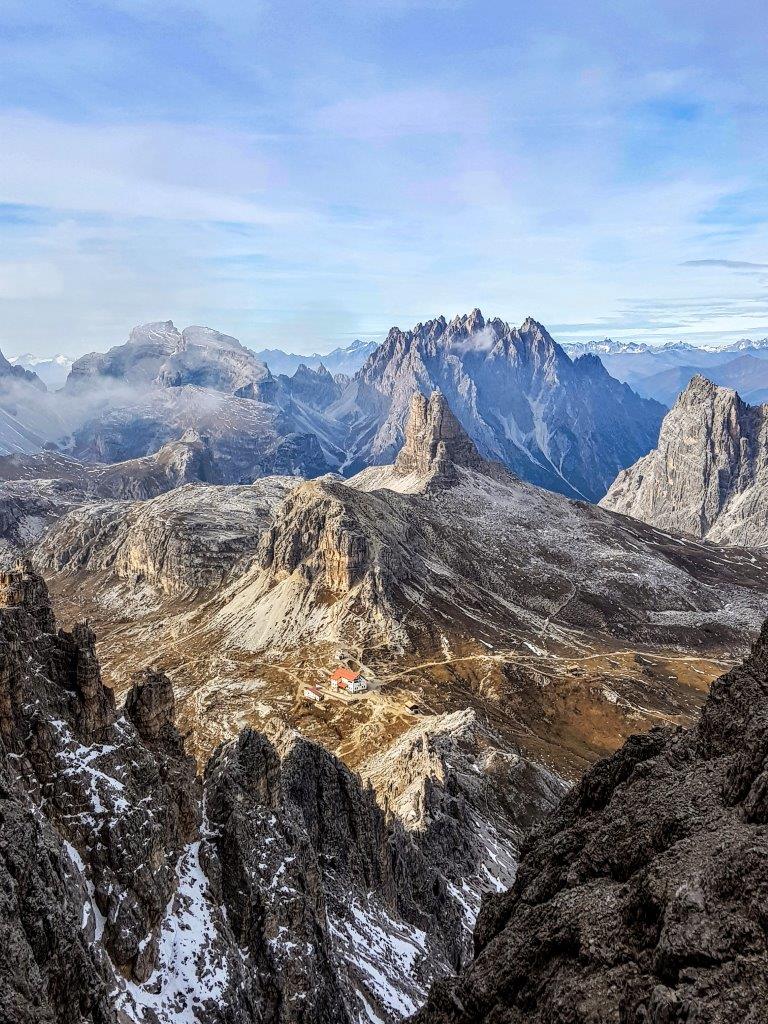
point(52, 370)
point(563, 424)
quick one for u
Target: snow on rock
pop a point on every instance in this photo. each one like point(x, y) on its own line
point(191, 973)
point(384, 956)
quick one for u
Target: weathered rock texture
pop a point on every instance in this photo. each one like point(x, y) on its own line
point(565, 425)
point(38, 489)
point(642, 899)
point(188, 539)
point(708, 475)
point(275, 890)
point(435, 442)
point(77, 787)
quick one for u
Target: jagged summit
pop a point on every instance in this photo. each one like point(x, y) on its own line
point(435, 448)
point(708, 475)
point(515, 392)
point(702, 389)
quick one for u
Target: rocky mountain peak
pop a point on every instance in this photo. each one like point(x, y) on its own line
point(435, 441)
point(23, 587)
point(537, 342)
point(534, 327)
point(512, 389)
point(163, 332)
point(708, 475)
point(591, 364)
point(206, 337)
point(188, 460)
point(701, 389)
point(470, 322)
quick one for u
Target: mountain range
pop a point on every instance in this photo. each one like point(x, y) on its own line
point(563, 424)
point(747, 373)
point(328, 860)
point(516, 393)
point(306, 679)
point(454, 583)
point(346, 360)
point(662, 372)
point(52, 370)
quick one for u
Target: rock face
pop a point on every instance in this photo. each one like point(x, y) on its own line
point(435, 442)
point(274, 889)
point(158, 353)
point(516, 393)
point(92, 822)
point(315, 387)
point(136, 362)
point(243, 434)
point(642, 897)
point(305, 849)
point(186, 540)
point(456, 789)
point(708, 476)
point(38, 489)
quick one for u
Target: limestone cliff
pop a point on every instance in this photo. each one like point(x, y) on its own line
point(708, 475)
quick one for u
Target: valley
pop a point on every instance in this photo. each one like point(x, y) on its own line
point(219, 544)
point(505, 613)
point(383, 512)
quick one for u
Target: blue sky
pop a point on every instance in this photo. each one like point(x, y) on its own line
point(300, 174)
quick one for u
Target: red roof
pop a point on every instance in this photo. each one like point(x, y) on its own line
point(344, 673)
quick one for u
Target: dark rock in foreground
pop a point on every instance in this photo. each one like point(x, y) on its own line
point(644, 898)
point(274, 890)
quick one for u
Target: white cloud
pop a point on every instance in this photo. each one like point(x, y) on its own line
point(164, 171)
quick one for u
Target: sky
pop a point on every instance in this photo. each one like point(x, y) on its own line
point(303, 174)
